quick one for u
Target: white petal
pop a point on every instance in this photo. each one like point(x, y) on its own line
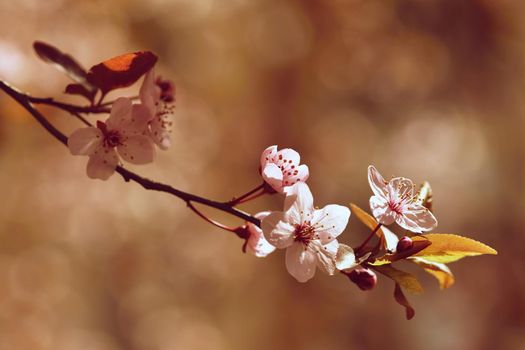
point(326, 255)
point(256, 243)
point(391, 239)
point(287, 156)
point(300, 262)
point(377, 182)
point(292, 176)
point(102, 163)
point(273, 176)
point(84, 141)
point(149, 92)
point(381, 210)
point(299, 203)
point(277, 231)
point(137, 122)
point(160, 129)
point(401, 188)
point(345, 258)
point(267, 155)
point(120, 113)
point(330, 222)
point(417, 219)
point(137, 149)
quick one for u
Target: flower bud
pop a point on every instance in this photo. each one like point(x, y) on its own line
point(167, 89)
point(365, 279)
point(404, 244)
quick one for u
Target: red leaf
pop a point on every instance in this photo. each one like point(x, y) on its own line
point(121, 71)
point(402, 300)
point(61, 61)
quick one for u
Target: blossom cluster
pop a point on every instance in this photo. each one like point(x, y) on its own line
point(309, 235)
point(130, 133)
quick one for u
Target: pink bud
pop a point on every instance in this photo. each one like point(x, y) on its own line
point(404, 244)
point(365, 279)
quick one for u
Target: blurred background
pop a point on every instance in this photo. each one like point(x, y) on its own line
point(427, 89)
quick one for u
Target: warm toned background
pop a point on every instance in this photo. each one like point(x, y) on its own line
point(427, 89)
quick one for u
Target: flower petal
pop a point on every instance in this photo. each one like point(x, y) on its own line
point(160, 129)
point(267, 155)
point(330, 222)
point(300, 262)
point(299, 203)
point(292, 176)
point(287, 157)
point(137, 149)
point(401, 188)
point(137, 122)
point(84, 141)
point(256, 243)
point(149, 92)
point(381, 210)
point(417, 219)
point(326, 255)
point(391, 239)
point(345, 258)
point(377, 182)
point(102, 163)
point(120, 113)
point(273, 176)
point(277, 231)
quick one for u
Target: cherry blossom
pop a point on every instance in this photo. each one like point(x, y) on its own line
point(256, 243)
point(308, 234)
point(156, 96)
point(281, 169)
point(121, 135)
point(395, 200)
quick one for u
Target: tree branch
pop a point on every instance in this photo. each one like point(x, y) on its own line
point(26, 101)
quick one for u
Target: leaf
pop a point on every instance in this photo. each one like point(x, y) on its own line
point(399, 296)
point(82, 90)
point(405, 279)
point(61, 61)
point(121, 71)
point(371, 223)
point(446, 248)
point(440, 271)
point(417, 246)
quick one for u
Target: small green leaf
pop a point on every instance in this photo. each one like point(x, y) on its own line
point(446, 248)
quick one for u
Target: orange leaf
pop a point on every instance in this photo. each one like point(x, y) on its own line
point(121, 71)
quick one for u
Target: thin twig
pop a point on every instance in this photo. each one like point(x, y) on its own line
point(25, 101)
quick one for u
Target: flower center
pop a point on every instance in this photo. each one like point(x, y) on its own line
point(304, 232)
point(112, 139)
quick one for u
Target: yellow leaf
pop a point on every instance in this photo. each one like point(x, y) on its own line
point(446, 248)
point(388, 238)
point(404, 279)
point(440, 271)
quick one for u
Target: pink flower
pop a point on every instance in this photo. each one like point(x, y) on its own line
point(156, 96)
point(308, 234)
point(281, 169)
point(122, 132)
point(395, 201)
point(256, 243)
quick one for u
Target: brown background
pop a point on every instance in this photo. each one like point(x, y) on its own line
point(423, 88)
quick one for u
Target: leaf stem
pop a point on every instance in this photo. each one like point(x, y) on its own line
point(358, 249)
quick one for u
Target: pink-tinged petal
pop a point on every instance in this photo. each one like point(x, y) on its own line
point(120, 113)
point(300, 262)
point(149, 92)
point(137, 122)
point(288, 157)
point(299, 204)
point(256, 243)
point(102, 163)
point(326, 255)
point(267, 155)
point(417, 219)
point(277, 231)
point(401, 189)
point(381, 210)
point(292, 176)
point(84, 141)
point(273, 176)
point(160, 129)
point(330, 222)
point(137, 149)
point(345, 258)
point(377, 182)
